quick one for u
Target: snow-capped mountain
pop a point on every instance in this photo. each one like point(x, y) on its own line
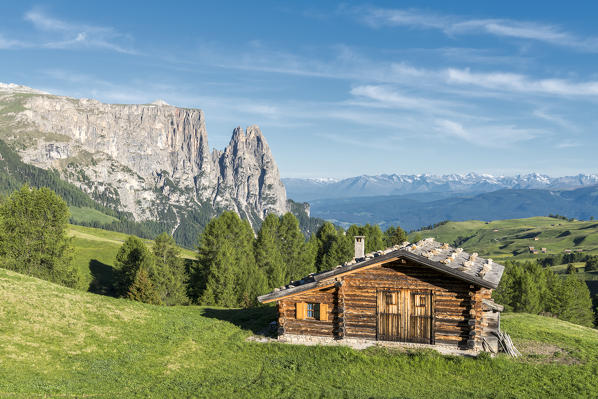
point(393, 184)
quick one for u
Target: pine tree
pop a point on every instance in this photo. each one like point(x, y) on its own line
point(227, 264)
point(341, 250)
point(251, 281)
point(505, 292)
point(326, 235)
point(267, 252)
point(168, 273)
point(571, 269)
point(309, 253)
point(33, 240)
point(132, 256)
point(591, 263)
point(526, 287)
point(394, 236)
point(530, 300)
point(220, 282)
point(575, 302)
point(142, 289)
point(292, 246)
point(374, 238)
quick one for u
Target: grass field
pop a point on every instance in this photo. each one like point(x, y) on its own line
point(58, 342)
point(95, 251)
point(502, 239)
point(88, 215)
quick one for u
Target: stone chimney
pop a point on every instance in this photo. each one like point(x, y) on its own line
point(359, 247)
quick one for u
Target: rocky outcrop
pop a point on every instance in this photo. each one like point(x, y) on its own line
point(147, 159)
point(239, 186)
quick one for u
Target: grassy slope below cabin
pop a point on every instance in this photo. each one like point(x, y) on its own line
point(95, 251)
point(56, 341)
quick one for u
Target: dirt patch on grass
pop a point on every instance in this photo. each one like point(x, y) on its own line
point(542, 352)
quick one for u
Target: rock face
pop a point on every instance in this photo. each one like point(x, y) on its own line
point(150, 160)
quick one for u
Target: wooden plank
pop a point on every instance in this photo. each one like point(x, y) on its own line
point(328, 285)
point(323, 312)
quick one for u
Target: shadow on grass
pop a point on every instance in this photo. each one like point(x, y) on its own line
point(593, 287)
point(257, 320)
point(103, 278)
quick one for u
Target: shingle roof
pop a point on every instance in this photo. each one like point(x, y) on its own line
point(436, 255)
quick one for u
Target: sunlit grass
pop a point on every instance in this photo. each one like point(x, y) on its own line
point(56, 341)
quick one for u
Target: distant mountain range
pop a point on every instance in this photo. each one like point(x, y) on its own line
point(393, 184)
point(417, 210)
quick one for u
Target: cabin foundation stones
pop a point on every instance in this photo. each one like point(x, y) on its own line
point(426, 294)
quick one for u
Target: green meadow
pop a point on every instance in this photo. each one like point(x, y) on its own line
point(95, 251)
point(59, 342)
point(503, 239)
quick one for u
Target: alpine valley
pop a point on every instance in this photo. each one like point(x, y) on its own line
point(415, 201)
point(149, 163)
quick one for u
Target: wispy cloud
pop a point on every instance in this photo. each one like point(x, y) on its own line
point(379, 143)
point(368, 73)
point(504, 81)
point(389, 97)
point(494, 136)
point(555, 119)
point(6, 44)
point(453, 25)
point(568, 144)
point(61, 34)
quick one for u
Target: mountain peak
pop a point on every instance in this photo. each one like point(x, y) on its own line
point(160, 103)
point(15, 88)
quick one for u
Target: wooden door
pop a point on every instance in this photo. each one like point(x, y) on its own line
point(389, 315)
point(420, 317)
point(404, 315)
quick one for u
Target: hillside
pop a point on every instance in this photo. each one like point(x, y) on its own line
point(55, 341)
point(510, 240)
point(417, 210)
point(95, 251)
point(502, 239)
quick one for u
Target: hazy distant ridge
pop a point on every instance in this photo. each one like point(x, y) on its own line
point(362, 186)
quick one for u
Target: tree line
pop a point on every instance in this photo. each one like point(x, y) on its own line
point(234, 267)
point(530, 288)
point(590, 261)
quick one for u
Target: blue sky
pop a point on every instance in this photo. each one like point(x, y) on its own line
point(339, 89)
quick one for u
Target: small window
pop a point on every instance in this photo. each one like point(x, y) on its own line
point(420, 300)
point(313, 311)
point(390, 298)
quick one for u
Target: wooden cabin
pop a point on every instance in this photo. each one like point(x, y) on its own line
point(425, 293)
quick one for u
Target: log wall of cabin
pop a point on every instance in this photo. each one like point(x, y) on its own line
point(453, 300)
point(489, 319)
point(287, 317)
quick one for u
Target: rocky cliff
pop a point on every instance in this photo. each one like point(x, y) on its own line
point(152, 160)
